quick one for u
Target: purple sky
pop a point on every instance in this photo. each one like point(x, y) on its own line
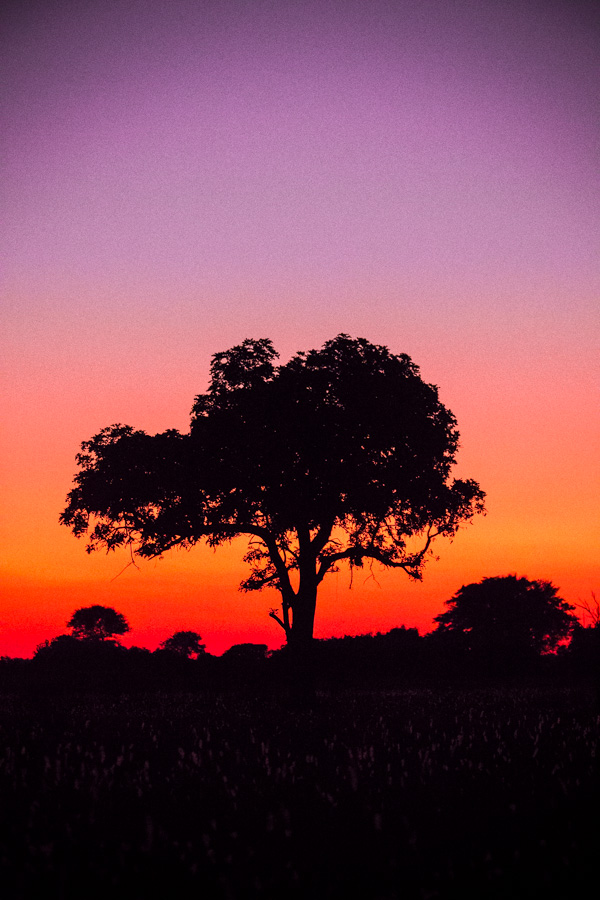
point(178, 176)
point(211, 148)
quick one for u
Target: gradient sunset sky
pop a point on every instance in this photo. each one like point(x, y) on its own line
point(179, 176)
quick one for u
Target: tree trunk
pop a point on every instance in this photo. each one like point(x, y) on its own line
point(303, 687)
point(303, 620)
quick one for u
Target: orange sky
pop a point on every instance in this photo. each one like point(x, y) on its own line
point(533, 449)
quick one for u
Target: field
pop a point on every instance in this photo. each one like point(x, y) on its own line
point(410, 794)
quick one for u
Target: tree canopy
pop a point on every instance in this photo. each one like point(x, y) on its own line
point(184, 643)
point(341, 455)
point(508, 612)
point(98, 623)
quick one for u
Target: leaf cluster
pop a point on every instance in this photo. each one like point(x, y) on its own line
point(343, 453)
point(97, 623)
point(508, 611)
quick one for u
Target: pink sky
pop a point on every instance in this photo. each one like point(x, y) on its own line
point(179, 176)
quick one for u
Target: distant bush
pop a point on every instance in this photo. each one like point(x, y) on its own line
point(184, 643)
point(99, 623)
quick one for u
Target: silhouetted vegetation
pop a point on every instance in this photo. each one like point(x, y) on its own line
point(97, 623)
point(342, 455)
point(184, 643)
point(502, 630)
point(584, 652)
point(399, 659)
point(502, 627)
point(507, 614)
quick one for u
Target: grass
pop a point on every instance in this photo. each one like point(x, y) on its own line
point(416, 793)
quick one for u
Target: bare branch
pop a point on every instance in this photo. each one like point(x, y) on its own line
point(593, 611)
point(273, 615)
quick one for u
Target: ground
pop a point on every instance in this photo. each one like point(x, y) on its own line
point(413, 794)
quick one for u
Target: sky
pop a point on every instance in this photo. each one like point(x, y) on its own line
point(179, 176)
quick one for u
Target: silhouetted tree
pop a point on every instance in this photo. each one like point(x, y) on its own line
point(343, 454)
point(368, 658)
point(584, 653)
point(246, 653)
point(591, 611)
point(584, 648)
point(97, 623)
point(67, 662)
point(184, 643)
point(507, 614)
point(63, 646)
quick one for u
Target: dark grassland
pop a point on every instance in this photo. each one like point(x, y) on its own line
point(412, 793)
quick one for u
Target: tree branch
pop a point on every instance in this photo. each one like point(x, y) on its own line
point(322, 536)
point(273, 615)
point(355, 555)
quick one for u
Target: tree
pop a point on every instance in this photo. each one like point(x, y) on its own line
point(184, 643)
point(591, 611)
point(341, 455)
point(508, 614)
point(584, 648)
point(63, 646)
point(246, 653)
point(98, 623)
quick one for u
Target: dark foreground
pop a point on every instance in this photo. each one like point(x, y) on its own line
point(408, 794)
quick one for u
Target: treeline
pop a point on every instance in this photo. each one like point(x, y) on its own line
point(503, 628)
point(401, 657)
